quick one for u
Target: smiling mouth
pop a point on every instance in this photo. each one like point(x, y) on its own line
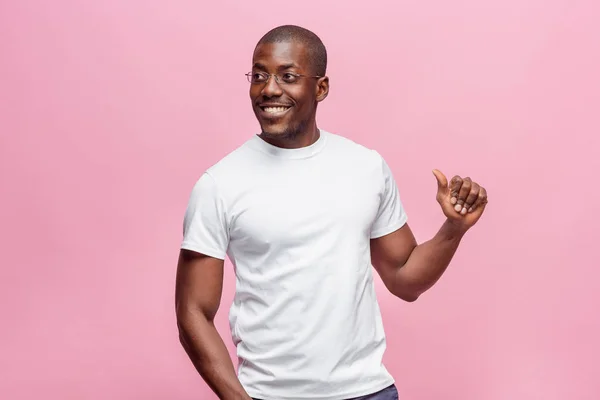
point(274, 110)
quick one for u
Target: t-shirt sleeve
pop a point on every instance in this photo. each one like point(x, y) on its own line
point(391, 215)
point(205, 227)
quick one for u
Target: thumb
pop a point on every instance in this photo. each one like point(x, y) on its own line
point(442, 181)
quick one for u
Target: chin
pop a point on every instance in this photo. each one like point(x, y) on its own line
point(279, 132)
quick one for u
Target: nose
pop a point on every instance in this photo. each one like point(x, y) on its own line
point(271, 88)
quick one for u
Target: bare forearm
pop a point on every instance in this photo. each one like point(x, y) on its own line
point(427, 262)
point(208, 353)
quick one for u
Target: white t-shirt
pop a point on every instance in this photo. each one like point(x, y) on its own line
point(296, 225)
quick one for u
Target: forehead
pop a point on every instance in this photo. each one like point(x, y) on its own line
point(281, 55)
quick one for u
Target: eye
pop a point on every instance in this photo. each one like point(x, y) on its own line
point(259, 77)
point(288, 77)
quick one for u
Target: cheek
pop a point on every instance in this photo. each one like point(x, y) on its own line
point(254, 93)
point(303, 97)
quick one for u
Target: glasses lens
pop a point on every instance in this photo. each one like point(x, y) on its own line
point(257, 77)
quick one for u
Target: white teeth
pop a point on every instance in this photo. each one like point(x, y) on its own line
point(274, 110)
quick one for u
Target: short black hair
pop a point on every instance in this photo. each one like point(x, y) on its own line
point(316, 49)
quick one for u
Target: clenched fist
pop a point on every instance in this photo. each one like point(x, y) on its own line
point(462, 200)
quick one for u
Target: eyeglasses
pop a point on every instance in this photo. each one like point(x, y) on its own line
point(287, 78)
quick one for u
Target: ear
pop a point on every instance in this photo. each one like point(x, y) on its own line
point(322, 88)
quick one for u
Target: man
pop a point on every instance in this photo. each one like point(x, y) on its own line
point(303, 214)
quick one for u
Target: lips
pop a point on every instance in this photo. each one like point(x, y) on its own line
point(273, 110)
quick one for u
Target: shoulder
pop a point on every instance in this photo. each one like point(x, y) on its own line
point(222, 174)
point(232, 163)
point(359, 154)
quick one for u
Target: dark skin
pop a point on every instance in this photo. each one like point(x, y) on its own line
point(199, 285)
point(296, 126)
point(406, 268)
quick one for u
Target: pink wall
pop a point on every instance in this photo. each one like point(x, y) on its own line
point(110, 110)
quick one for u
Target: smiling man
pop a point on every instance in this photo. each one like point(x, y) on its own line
point(305, 216)
point(286, 105)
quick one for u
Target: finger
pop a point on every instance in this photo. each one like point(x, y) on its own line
point(442, 181)
point(455, 184)
point(481, 201)
point(463, 192)
point(471, 198)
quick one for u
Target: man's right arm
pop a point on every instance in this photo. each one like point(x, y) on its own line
point(199, 285)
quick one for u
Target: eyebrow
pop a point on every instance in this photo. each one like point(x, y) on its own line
point(281, 67)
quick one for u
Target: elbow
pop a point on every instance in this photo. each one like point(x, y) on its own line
point(183, 322)
point(408, 294)
point(182, 312)
point(402, 290)
point(182, 332)
point(186, 317)
point(409, 297)
point(408, 291)
point(188, 320)
point(404, 293)
point(189, 315)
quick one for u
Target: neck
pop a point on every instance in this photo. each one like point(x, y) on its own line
point(304, 138)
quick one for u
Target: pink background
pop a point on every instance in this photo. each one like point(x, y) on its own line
point(110, 110)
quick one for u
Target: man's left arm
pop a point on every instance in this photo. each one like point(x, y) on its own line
point(408, 269)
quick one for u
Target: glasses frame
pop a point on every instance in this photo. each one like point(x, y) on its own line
point(276, 76)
